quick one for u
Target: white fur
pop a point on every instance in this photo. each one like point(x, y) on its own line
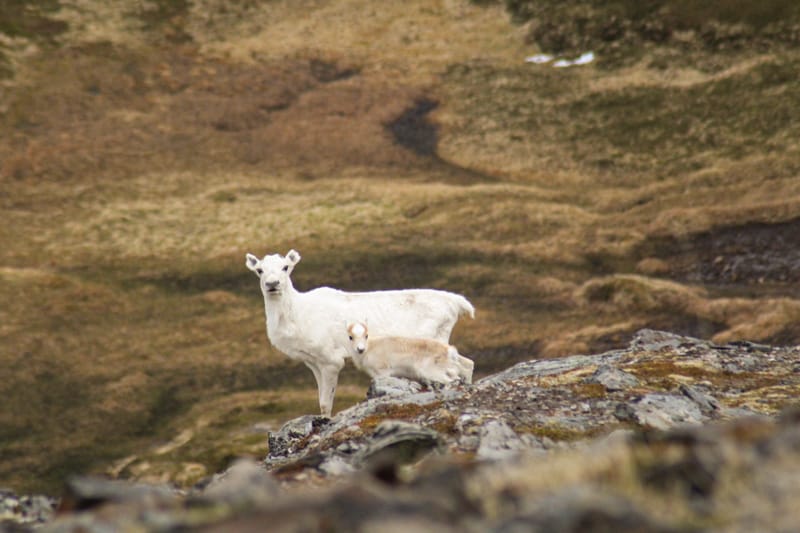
point(307, 326)
point(423, 360)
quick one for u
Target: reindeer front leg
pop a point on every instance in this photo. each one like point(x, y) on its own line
point(327, 379)
point(318, 378)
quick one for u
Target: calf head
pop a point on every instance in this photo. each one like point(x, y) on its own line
point(273, 271)
point(358, 334)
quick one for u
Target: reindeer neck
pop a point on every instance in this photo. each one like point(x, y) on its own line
point(280, 307)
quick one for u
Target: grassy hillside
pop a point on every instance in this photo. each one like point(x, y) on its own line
point(146, 149)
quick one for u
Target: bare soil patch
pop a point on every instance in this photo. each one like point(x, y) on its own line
point(745, 255)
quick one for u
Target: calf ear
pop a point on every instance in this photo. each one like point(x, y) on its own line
point(251, 262)
point(293, 257)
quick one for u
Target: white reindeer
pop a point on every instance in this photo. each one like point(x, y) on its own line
point(424, 360)
point(307, 326)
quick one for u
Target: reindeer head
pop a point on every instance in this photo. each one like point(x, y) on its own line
point(273, 271)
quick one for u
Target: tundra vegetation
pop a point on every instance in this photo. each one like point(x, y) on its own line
point(146, 146)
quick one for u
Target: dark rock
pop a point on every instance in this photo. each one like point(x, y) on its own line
point(624, 412)
point(397, 443)
point(751, 346)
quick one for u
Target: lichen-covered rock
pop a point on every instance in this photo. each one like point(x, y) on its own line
point(24, 511)
point(392, 386)
point(661, 381)
point(657, 437)
point(708, 404)
point(613, 379)
point(244, 483)
point(653, 341)
point(292, 433)
point(497, 441)
point(540, 368)
point(662, 411)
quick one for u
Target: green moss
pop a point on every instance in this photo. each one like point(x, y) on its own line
point(559, 433)
point(406, 412)
point(588, 390)
point(658, 373)
point(445, 425)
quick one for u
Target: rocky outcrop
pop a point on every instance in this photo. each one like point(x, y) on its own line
point(661, 381)
point(20, 512)
point(670, 434)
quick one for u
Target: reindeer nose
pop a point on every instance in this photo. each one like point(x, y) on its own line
point(271, 285)
point(360, 349)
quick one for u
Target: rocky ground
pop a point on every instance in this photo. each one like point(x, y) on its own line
point(671, 434)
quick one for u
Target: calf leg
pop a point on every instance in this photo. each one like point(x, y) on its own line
point(467, 367)
point(434, 376)
point(464, 365)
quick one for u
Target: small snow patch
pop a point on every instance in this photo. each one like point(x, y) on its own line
point(541, 59)
point(584, 59)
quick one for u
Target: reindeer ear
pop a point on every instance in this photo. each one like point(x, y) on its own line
point(251, 262)
point(293, 256)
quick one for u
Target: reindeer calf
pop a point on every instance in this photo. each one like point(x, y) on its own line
point(424, 360)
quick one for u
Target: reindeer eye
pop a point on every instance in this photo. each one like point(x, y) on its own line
point(259, 271)
point(351, 337)
point(285, 268)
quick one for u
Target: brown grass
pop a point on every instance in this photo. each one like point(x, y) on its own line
point(143, 156)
